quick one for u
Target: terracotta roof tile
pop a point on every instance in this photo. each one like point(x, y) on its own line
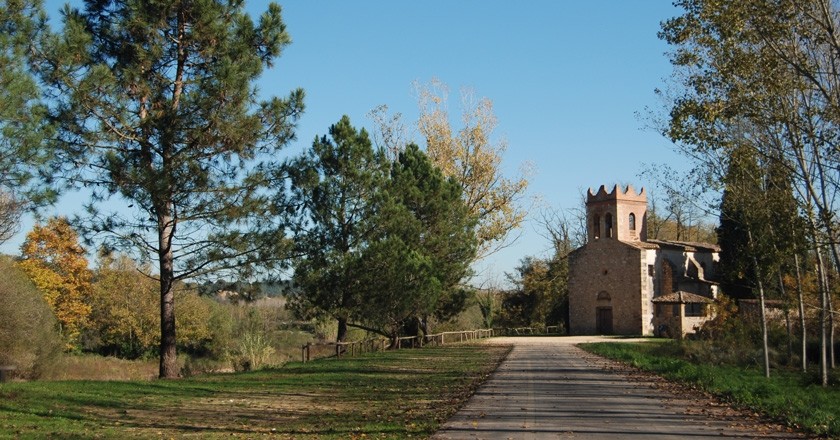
point(682, 298)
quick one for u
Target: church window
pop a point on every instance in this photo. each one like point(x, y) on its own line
point(596, 226)
point(632, 221)
point(695, 309)
point(608, 225)
point(650, 270)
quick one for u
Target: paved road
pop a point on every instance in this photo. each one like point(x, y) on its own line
point(549, 389)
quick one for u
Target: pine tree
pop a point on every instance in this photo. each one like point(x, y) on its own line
point(427, 231)
point(23, 124)
point(157, 107)
point(335, 187)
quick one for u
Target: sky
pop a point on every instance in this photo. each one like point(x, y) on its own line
point(571, 82)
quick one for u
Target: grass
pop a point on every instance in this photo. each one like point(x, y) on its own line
point(390, 395)
point(87, 366)
point(788, 396)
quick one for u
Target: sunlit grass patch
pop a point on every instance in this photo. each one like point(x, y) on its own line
point(395, 395)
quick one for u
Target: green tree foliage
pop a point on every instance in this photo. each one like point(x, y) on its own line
point(427, 231)
point(335, 186)
point(23, 125)
point(157, 107)
point(762, 75)
point(381, 243)
point(740, 213)
point(540, 296)
point(29, 337)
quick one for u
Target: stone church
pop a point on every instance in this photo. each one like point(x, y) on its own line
point(622, 283)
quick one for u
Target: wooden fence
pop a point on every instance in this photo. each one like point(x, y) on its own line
point(352, 348)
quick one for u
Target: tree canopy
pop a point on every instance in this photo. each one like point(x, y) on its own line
point(155, 105)
point(55, 261)
point(336, 187)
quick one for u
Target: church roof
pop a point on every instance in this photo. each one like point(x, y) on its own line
point(687, 245)
point(682, 298)
point(640, 244)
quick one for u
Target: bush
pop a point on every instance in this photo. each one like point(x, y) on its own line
point(29, 337)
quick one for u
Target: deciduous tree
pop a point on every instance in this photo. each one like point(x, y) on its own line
point(473, 157)
point(29, 337)
point(125, 319)
point(763, 74)
point(55, 261)
point(157, 107)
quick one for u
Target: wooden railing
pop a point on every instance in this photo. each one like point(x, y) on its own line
point(352, 348)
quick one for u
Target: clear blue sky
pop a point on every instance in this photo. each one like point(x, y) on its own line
point(567, 79)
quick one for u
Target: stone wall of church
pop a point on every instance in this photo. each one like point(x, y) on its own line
point(606, 274)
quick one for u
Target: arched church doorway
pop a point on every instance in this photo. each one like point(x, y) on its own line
point(603, 314)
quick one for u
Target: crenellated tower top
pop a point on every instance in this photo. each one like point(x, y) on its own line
point(616, 194)
point(618, 214)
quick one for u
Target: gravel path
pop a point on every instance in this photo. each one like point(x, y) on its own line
point(549, 389)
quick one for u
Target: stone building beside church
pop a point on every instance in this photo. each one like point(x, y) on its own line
point(622, 283)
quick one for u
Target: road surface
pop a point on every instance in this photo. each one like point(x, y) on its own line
point(547, 388)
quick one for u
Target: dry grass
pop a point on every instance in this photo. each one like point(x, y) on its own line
point(93, 367)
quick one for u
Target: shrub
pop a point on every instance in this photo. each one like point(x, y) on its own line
point(255, 350)
point(29, 337)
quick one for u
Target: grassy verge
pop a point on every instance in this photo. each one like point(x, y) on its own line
point(787, 396)
point(394, 395)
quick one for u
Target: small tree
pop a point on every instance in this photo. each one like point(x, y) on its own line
point(55, 261)
point(28, 331)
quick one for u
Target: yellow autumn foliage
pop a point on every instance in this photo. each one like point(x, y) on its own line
point(55, 262)
point(126, 310)
point(474, 159)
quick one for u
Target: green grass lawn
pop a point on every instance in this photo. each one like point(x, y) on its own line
point(788, 396)
point(400, 394)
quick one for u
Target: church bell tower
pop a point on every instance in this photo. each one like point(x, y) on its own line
point(616, 215)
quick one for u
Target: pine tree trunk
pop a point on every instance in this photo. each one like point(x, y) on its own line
point(802, 328)
point(168, 354)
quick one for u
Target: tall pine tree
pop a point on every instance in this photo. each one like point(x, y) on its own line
point(335, 187)
point(157, 107)
point(428, 232)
